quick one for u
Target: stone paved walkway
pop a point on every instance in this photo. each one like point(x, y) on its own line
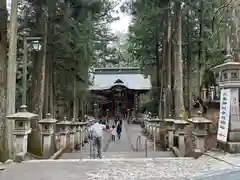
point(121, 148)
point(85, 152)
point(122, 145)
point(137, 130)
point(114, 169)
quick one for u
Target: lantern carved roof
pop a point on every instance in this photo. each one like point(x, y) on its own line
point(23, 114)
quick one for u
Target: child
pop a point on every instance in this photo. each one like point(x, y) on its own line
point(113, 132)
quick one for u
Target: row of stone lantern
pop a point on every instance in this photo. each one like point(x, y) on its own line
point(173, 127)
point(152, 129)
point(213, 92)
point(227, 77)
point(72, 134)
point(176, 128)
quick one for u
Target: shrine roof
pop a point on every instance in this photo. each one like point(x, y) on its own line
point(131, 78)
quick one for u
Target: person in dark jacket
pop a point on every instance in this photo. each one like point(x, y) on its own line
point(119, 129)
point(116, 119)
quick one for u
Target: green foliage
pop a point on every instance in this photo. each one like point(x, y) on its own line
point(144, 33)
point(148, 106)
point(208, 78)
point(146, 29)
point(78, 38)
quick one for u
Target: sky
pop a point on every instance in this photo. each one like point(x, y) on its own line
point(123, 22)
point(124, 19)
point(8, 4)
point(118, 26)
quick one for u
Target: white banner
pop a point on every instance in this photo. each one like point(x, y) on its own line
point(224, 115)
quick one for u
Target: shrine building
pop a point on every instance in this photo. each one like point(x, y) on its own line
point(117, 90)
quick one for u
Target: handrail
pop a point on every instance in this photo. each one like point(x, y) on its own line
point(81, 142)
point(90, 148)
point(129, 137)
point(138, 143)
point(155, 138)
point(146, 153)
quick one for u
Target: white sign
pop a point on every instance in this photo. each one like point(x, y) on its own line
point(224, 115)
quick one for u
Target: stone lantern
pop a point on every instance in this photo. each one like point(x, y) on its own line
point(47, 130)
point(170, 132)
point(201, 125)
point(64, 132)
point(204, 94)
point(212, 92)
point(21, 128)
point(228, 74)
point(179, 125)
point(73, 134)
point(83, 132)
point(78, 135)
point(228, 77)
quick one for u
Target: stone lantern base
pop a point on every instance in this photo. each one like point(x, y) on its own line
point(232, 147)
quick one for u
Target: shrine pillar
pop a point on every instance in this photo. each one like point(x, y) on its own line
point(136, 105)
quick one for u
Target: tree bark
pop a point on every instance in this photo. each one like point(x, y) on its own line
point(52, 13)
point(38, 96)
point(11, 74)
point(164, 65)
point(3, 79)
point(35, 143)
point(200, 53)
point(189, 65)
point(178, 78)
point(75, 100)
point(51, 84)
point(83, 108)
point(47, 85)
point(169, 66)
point(157, 72)
point(173, 47)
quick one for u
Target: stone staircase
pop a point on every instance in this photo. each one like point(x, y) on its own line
point(109, 155)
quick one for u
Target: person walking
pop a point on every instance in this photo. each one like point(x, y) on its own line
point(113, 132)
point(96, 131)
point(119, 129)
point(116, 120)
